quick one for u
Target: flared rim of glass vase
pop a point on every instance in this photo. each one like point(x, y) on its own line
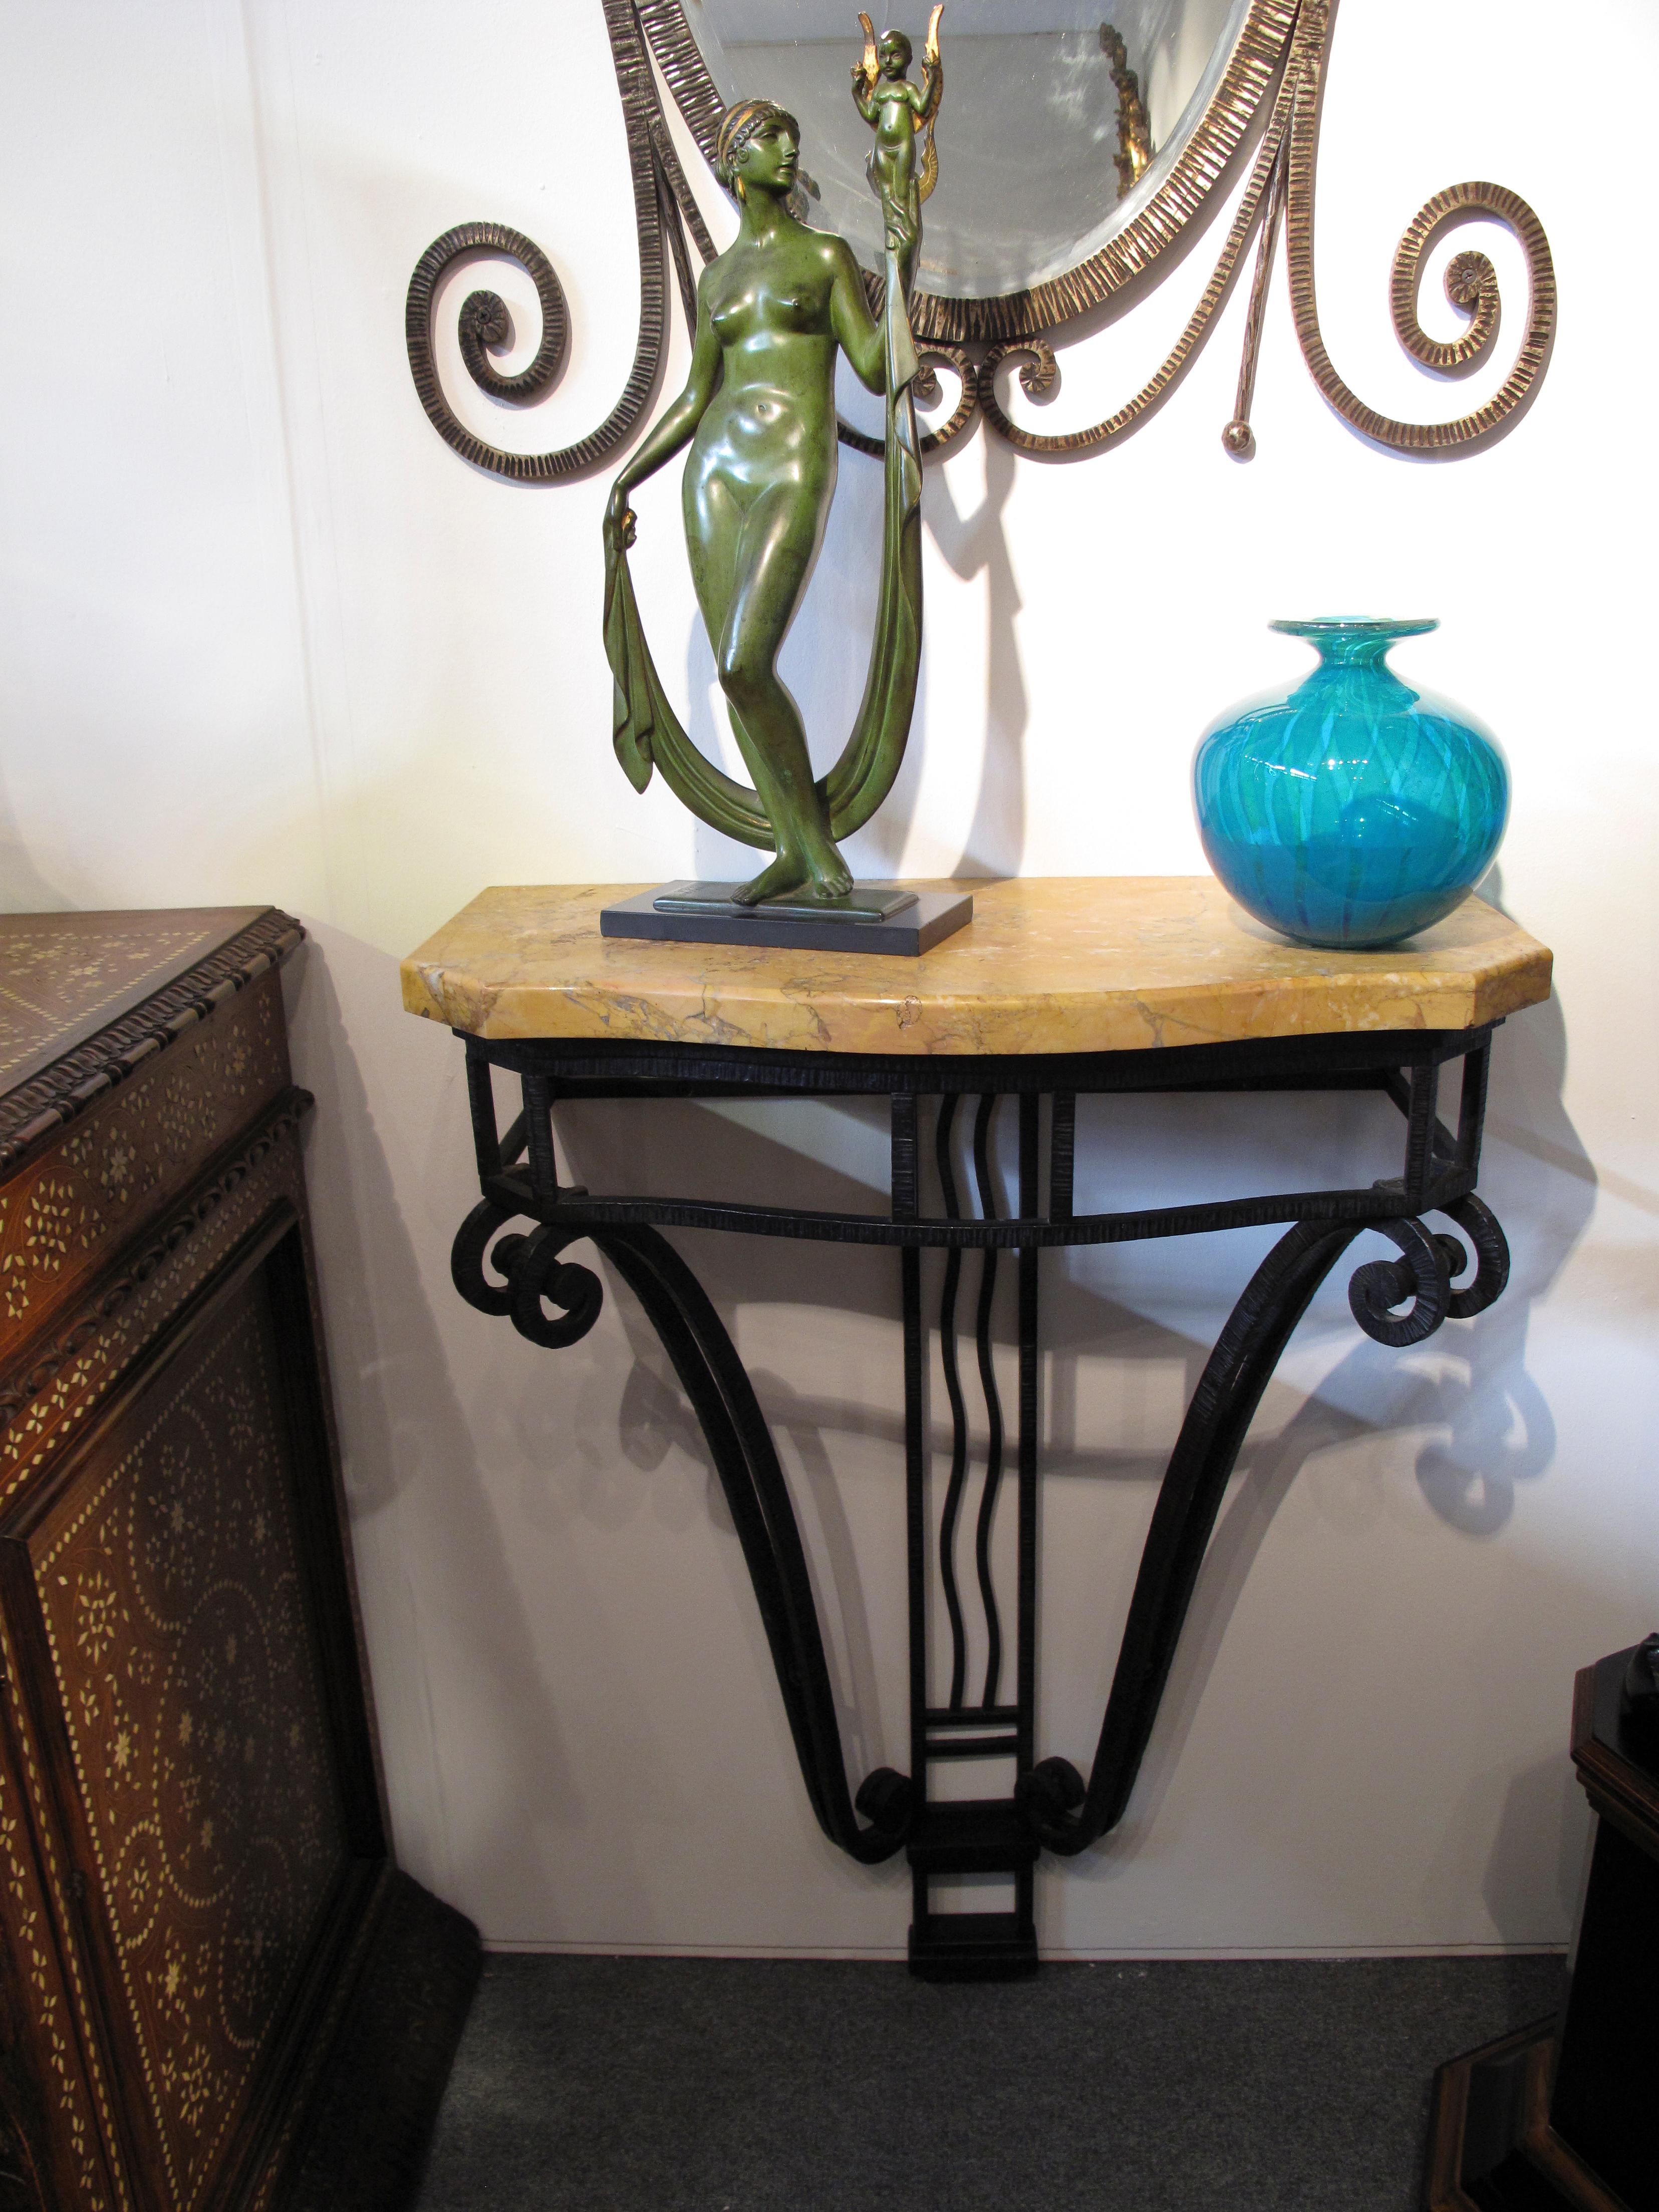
point(1358, 626)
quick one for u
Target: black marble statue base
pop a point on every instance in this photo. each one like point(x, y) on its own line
point(883, 918)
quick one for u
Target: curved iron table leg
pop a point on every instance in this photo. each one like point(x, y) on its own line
point(745, 1461)
point(1062, 1814)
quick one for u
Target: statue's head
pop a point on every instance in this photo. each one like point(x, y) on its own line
point(895, 50)
point(758, 143)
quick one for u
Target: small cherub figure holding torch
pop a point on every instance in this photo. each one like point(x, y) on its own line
point(899, 112)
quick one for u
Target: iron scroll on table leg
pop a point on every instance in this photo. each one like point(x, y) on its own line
point(746, 1460)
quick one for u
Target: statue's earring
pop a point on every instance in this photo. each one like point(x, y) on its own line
point(738, 187)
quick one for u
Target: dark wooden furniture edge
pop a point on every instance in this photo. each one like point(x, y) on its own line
point(37, 1108)
point(1501, 2092)
point(1617, 1788)
point(363, 2145)
point(1455, 2091)
point(1502, 2089)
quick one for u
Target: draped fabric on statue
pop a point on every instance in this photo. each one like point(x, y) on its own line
point(648, 733)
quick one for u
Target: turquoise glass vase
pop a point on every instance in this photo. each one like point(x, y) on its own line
point(1353, 810)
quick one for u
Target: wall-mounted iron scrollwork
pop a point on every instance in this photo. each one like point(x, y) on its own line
point(1274, 79)
point(1280, 194)
point(663, 201)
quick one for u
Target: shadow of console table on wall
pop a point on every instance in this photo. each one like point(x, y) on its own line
point(1057, 989)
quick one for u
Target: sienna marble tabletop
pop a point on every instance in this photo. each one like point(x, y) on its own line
point(1048, 964)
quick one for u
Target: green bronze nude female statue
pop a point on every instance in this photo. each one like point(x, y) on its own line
point(758, 412)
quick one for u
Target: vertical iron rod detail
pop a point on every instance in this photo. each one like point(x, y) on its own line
point(1471, 1106)
point(907, 1199)
point(1029, 1441)
point(481, 1103)
point(1062, 1152)
point(538, 1129)
point(904, 1176)
point(1420, 1133)
point(988, 1376)
point(947, 1351)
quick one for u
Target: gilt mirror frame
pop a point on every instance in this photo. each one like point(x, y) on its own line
point(1269, 91)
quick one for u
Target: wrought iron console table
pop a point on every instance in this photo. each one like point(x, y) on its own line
point(1058, 988)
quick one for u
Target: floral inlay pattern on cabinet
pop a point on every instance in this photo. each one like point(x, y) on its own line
point(184, 1662)
point(52, 988)
point(25, 1906)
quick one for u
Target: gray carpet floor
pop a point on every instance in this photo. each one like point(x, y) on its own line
point(630, 2085)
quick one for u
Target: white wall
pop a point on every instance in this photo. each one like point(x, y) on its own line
point(266, 637)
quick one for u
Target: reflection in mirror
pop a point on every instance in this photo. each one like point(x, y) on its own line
point(1061, 118)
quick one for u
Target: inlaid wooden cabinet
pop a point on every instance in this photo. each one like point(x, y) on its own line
point(216, 1992)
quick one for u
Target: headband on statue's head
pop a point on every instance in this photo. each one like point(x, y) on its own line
point(739, 126)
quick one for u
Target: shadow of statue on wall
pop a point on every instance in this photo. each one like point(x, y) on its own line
point(976, 544)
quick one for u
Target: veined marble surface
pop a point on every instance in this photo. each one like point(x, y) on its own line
point(1049, 963)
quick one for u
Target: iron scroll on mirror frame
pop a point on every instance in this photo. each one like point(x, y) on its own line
point(1269, 89)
